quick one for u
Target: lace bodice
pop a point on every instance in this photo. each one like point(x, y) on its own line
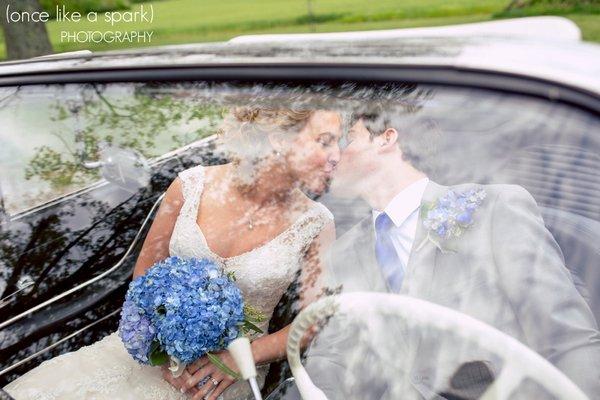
point(262, 274)
point(105, 371)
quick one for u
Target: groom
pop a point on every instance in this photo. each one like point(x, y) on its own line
point(495, 261)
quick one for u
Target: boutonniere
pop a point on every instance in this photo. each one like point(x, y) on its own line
point(449, 216)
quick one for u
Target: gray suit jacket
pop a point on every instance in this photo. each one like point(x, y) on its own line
point(505, 270)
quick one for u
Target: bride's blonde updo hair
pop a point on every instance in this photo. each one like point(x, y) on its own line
point(245, 131)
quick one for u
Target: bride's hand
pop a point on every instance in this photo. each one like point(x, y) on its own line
point(177, 383)
point(217, 380)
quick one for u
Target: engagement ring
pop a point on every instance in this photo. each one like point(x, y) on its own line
point(214, 381)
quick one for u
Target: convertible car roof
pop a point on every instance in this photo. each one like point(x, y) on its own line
point(563, 59)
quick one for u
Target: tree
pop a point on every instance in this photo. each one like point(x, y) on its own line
point(518, 4)
point(136, 120)
point(24, 39)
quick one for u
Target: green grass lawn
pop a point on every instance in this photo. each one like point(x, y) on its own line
point(188, 21)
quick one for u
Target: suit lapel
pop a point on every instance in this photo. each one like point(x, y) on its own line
point(420, 271)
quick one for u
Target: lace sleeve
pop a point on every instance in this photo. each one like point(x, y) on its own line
point(192, 182)
point(312, 284)
point(311, 225)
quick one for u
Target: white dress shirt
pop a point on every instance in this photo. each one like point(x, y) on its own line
point(403, 210)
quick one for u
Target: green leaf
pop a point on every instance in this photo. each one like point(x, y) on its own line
point(253, 314)
point(157, 355)
point(231, 276)
point(249, 326)
point(221, 365)
point(155, 345)
point(425, 208)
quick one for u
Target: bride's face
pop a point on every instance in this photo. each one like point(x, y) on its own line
point(314, 152)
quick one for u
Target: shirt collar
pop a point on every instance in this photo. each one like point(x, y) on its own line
point(405, 202)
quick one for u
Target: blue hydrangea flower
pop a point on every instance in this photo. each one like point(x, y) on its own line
point(192, 305)
point(452, 214)
point(136, 331)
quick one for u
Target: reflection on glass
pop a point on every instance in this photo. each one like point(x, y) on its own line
point(485, 203)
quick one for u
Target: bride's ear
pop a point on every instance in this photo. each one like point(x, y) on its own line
point(277, 142)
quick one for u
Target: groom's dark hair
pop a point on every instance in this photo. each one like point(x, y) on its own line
point(418, 134)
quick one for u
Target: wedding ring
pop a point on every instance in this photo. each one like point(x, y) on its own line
point(202, 382)
point(214, 381)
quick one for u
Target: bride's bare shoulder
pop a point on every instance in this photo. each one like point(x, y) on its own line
point(216, 180)
point(174, 194)
point(216, 172)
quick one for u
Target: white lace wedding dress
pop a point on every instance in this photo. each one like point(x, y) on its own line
point(105, 370)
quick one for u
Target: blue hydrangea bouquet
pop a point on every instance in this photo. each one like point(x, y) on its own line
point(181, 310)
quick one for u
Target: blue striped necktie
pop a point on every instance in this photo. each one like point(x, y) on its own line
point(387, 257)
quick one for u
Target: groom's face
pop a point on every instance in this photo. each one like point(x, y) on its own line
point(358, 160)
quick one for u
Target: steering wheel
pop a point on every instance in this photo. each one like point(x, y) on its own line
point(520, 361)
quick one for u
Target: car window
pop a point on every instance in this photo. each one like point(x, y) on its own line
point(473, 216)
point(523, 254)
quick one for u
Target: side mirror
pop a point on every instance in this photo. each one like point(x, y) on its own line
point(125, 168)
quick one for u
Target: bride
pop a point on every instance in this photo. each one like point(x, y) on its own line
point(252, 217)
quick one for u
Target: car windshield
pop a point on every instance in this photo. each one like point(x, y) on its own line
point(444, 238)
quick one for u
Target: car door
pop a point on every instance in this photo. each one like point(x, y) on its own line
point(67, 224)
